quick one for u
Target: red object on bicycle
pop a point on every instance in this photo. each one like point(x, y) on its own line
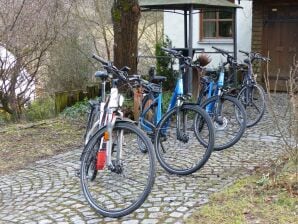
point(101, 159)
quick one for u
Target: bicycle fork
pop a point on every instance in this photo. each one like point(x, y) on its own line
point(181, 133)
point(113, 165)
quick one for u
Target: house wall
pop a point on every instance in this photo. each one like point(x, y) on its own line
point(257, 32)
point(174, 29)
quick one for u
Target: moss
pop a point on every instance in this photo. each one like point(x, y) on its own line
point(116, 14)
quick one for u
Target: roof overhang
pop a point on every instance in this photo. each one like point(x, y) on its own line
point(185, 4)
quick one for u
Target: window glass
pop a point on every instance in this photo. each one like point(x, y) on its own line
point(209, 29)
point(225, 29)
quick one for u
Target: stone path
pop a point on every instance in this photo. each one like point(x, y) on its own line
point(49, 192)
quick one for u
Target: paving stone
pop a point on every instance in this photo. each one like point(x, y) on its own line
point(131, 222)
point(48, 191)
point(149, 221)
point(176, 214)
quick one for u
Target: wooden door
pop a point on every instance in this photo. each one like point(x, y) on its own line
point(281, 41)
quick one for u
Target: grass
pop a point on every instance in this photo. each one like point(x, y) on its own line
point(266, 197)
point(22, 144)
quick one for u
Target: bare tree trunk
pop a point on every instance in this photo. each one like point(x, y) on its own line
point(126, 15)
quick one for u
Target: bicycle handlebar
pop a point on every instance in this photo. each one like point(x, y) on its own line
point(108, 65)
point(230, 59)
point(222, 51)
point(101, 60)
point(171, 51)
point(255, 56)
point(178, 54)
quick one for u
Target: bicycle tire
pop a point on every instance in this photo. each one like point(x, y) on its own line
point(259, 107)
point(107, 194)
point(222, 131)
point(90, 121)
point(176, 155)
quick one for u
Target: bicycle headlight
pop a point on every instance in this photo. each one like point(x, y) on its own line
point(121, 100)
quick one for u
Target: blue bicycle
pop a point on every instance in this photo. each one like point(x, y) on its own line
point(227, 113)
point(177, 147)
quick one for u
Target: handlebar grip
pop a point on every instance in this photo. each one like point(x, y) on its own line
point(220, 50)
point(169, 50)
point(244, 52)
point(104, 62)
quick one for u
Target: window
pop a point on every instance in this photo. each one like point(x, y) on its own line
point(216, 25)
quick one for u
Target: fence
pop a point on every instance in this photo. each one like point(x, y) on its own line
point(65, 99)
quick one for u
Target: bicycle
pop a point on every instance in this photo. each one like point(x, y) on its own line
point(227, 113)
point(176, 150)
point(251, 94)
point(108, 176)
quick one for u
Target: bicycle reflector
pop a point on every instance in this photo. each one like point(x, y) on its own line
point(101, 159)
point(106, 136)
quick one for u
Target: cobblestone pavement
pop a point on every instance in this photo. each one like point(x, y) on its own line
point(49, 192)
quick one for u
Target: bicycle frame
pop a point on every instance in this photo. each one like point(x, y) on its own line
point(108, 114)
point(175, 100)
point(100, 121)
point(213, 88)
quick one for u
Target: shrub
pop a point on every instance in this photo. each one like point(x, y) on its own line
point(80, 109)
point(39, 109)
point(165, 64)
point(4, 117)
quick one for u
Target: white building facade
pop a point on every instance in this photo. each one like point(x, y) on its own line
point(213, 28)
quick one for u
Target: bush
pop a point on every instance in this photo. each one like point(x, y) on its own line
point(165, 64)
point(39, 109)
point(80, 109)
point(166, 98)
point(4, 117)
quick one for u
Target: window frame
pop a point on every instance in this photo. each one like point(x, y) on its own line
point(217, 20)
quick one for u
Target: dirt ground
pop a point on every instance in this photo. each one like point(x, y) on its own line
point(21, 144)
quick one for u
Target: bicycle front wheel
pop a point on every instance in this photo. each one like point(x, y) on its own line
point(118, 192)
point(229, 119)
point(177, 147)
point(253, 100)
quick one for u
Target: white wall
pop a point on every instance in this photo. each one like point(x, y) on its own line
point(174, 23)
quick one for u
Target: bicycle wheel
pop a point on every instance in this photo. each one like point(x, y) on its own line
point(253, 100)
point(176, 145)
point(229, 119)
point(118, 192)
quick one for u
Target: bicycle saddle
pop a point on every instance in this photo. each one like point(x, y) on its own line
point(158, 79)
point(155, 78)
point(101, 74)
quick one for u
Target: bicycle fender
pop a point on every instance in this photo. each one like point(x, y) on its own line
point(125, 119)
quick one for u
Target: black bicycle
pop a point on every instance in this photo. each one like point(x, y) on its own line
point(251, 94)
point(227, 113)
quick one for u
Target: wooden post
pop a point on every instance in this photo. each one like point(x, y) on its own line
point(137, 100)
point(60, 101)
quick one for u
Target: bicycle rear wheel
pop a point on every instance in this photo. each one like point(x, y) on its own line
point(178, 149)
point(229, 119)
point(116, 193)
point(253, 100)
